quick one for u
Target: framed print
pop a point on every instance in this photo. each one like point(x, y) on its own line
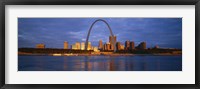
point(101, 44)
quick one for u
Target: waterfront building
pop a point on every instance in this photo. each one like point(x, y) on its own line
point(41, 46)
point(127, 45)
point(118, 46)
point(65, 45)
point(122, 47)
point(108, 45)
point(132, 45)
point(89, 46)
point(95, 49)
point(82, 45)
point(110, 41)
point(78, 45)
point(100, 45)
point(104, 47)
point(74, 47)
point(142, 45)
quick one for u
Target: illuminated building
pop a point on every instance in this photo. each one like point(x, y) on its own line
point(104, 47)
point(110, 41)
point(100, 45)
point(89, 46)
point(118, 46)
point(95, 49)
point(142, 45)
point(74, 47)
point(65, 45)
point(108, 45)
point(127, 45)
point(122, 47)
point(82, 45)
point(78, 45)
point(132, 45)
point(40, 46)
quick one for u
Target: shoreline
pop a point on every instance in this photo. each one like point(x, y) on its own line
point(29, 54)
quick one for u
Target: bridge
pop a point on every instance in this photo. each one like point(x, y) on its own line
point(109, 28)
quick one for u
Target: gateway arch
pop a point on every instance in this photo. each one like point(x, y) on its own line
point(111, 33)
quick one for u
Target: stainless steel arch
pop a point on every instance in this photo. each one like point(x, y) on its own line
point(111, 33)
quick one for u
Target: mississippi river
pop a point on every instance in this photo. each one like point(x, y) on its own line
point(100, 63)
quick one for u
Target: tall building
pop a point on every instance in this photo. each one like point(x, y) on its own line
point(41, 46)
point(78, 45)
point(132, 45)
point(118, 46)
point(104, 47)
point(100, 44)
point(122, 47)
point(82, 45)
point(110, 41)
point(89, 46)
point(142, 45)
point(65, 45)
point(74, 47)
point(108, 45)
point(127, 45)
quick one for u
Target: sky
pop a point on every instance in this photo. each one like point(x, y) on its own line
point(164, 32)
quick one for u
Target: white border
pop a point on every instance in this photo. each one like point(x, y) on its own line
point(187, 76)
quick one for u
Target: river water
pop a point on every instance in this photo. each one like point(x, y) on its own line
point(100, 63)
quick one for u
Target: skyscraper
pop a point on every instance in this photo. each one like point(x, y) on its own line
point(142, 45)
point(104, 47)
point(100, 44)
point(118, 46)
point(122, 47)
point(82, 45)
point(127, 45)
point(132, 45)
point(65, 45)
point(78, 45)
point(108, 45)
point(112, 43)
point(89, 46)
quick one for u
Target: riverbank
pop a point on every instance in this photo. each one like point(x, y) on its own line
point(110, 54)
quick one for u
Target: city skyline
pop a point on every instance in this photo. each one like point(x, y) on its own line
point(164, 32)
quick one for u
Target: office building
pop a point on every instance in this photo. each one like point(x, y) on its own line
point(100, 45)
point(104, 47)
point(41, 46)
point(74, 47)
point(89, 46)
point(110, 41)
point(142, 45)
point(127, 45)
point(65, 45)
point(108, 45)
point(122, 47)
point(118, 46)
point(132, 45)
point(82, 45)
point(78, 45)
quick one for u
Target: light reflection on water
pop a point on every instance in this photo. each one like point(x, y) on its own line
point(100, 63)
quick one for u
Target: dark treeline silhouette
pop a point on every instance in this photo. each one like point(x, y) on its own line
point(151, 51)
point(134, 51)
point(51, 50)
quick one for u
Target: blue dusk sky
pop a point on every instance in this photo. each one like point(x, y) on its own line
point(164, 32)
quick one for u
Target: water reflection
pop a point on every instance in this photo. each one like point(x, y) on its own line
point(100, 63)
